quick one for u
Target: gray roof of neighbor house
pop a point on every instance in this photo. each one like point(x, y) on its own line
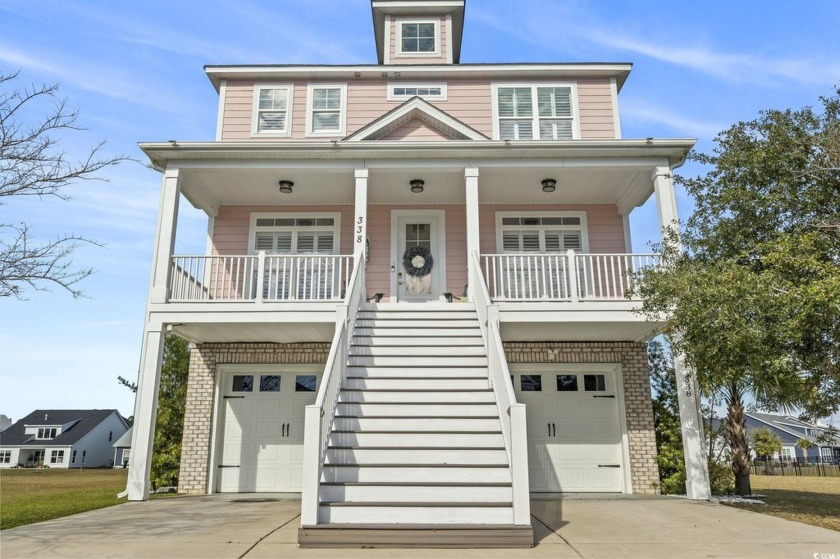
point(787, 424)
point(82, 422)
point(125, 440)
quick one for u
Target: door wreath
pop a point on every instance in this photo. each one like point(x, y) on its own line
point(417, 261)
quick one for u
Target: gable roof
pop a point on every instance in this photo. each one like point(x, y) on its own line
point(786, 424)
point(416, 108)
point(83, 422)
point(125, 440)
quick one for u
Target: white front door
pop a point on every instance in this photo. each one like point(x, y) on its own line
point(574, 432)
point(415, 235)
point(262, 430)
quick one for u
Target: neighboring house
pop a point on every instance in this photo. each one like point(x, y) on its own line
point(62, 439)
point(122, 450)
point(345, 206)
point(790, 430)
point(5, 422)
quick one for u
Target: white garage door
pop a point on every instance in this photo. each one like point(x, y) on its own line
point(262, 438)
point(574, 433)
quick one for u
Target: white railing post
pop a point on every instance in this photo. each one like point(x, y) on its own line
point(519, 465)
point(261, 281)
point(571, 261)
point(311, 465)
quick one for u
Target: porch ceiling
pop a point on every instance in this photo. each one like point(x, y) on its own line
point(255, 332)
point(626, 186)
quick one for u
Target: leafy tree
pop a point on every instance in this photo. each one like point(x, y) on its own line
point(751, 282)
point(766, 445)
point(169, 424)
point(804, 445)
point(32, 164)
point(666, 420)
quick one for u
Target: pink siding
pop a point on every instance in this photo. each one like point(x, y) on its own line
point(468, 101)
point(232, 226)
point(596, 108)
point(417, 131)
point(231, 232)
point(396, 59)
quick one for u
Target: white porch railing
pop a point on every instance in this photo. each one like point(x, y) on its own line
point(319, 416)
point(511, 413)
point(568, 276)
point(259, 278)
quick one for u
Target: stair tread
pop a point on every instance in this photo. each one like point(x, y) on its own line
point(415, 484)
point(391, 465)
point(421, 504)
point(380, 432)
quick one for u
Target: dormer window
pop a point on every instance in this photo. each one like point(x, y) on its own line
point(46, 433)
point(418, 37)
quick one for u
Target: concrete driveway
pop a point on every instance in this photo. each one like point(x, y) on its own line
point(255, 526)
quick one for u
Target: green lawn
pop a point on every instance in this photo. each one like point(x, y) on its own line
point(30, 495)
point(812, 500)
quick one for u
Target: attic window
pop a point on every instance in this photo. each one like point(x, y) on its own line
point(272, 110)
point(429, 91)
point(46, 433)
point(418, 37)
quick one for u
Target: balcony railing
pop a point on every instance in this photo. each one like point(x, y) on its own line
point(259, 278)
point(565, 276)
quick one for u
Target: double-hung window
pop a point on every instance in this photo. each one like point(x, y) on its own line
point(57, 457)
point(326, 110)
point(531, 112)
point(272, 110)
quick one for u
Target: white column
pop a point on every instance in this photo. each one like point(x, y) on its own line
point(360, 219)
point(688, 393)
point(145, 408)
point(628, 240)
point(666, 199)
point(471, 186)
point(696, 465)
point(167, 223)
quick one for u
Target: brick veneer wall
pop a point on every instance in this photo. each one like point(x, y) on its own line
point(198, 413)
point(644, 470)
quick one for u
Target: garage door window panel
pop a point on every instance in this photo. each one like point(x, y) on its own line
point(242, 383)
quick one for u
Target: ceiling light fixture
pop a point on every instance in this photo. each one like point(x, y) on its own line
point(286, 186)
point(416, 185)
point(549, 185)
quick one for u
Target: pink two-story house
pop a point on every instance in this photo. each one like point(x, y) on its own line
point(411, 309)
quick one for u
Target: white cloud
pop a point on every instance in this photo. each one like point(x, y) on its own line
point(637, 110)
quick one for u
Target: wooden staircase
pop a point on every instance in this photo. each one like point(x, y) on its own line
point(416, 455)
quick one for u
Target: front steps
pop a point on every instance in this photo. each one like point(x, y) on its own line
point(416, 456)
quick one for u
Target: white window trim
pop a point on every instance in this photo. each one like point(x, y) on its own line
point(393, 85)
point(336, 226)
point(535, 117)
point(399, 25)
point(5, 456)
point(255, 113)
point(342, 117)
point(57, 457)
point(583, 227)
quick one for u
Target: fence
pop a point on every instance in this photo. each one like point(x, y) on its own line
point(814, 468)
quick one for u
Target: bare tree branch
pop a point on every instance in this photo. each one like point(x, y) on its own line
point(32, 164)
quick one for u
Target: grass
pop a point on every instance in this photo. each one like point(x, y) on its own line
point(811, 500)
point(30, 495)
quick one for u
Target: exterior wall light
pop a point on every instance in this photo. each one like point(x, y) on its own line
point(549, 185)
point(286, 186)
point(417, 185)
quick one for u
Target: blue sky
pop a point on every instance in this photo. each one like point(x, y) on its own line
point(134, 71)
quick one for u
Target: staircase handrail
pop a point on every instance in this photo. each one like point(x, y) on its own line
point(511, 412)
point(319, 416)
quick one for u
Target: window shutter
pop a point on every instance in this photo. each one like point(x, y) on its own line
point(325, 243)
point(510, 242)
point(305, 243)
point(571, 240)
point(531, 241)
point(554, 101)
point(552, 242)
